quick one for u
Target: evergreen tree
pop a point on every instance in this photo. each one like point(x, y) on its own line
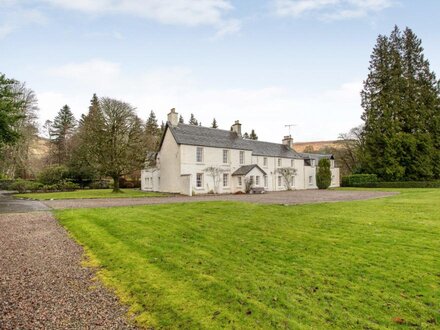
point(152, 132)
point(62, 130)
point(214, 124)
point(181, 121)
point(193, 120)
point(324, 174)
point(10, 110)
point(253, 135)
point(245, 135)
point(401, 111)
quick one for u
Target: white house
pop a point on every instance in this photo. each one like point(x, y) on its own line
point(188, 156)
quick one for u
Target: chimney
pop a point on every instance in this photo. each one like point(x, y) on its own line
point(236, 128)
point(288, 141)
point(173, 117)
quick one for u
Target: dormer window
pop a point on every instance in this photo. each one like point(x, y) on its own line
point(225, 156)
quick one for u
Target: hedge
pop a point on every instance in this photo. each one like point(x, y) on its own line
point(399, 184)
point(358, 179)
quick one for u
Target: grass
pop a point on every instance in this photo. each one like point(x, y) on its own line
point(90, 193)
point(361, 265)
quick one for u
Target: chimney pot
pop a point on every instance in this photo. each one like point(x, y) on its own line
point(288, 141)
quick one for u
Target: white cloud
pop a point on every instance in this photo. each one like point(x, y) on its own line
point(95, 72)
point(176, 12)
point(318, 115)
point(13, 18)
point(331, 9)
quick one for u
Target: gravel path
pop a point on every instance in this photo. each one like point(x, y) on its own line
point(8, 204)
point(285, 197)
point(42, 284)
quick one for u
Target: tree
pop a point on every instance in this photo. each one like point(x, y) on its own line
point(16, 160)
point(309, 149)
point(115, 141)
point(214, 124)
point(193, 120)
point(62, 130)
point(288, 174)
point(11, 105)
point(245, 135)
point(349, 155)
point(401, 101)
point(152, 132)
point(181, 121)
point(216, 174)
point(253, 135)
point(324, 174)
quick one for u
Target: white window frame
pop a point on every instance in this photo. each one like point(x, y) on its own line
point(312, 162)
point(199, 154)
point(252, 179)
point(257, 180)
point(240, 181)
point(265, 161)
point(280, 181)
point(225, 156)
point(241, 157)
point(225, 182)
point(199, 181)
point(279, 162)
point(265, 181)
point(310, 180)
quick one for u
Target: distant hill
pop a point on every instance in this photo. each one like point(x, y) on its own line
point(317, 146)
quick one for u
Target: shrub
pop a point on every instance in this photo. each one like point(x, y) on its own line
point(400, 184)
point(324, 174)
point(248, 184)
point(358, 179)
point(5, 184)
point(67, 186)
point(53, 174)
point(102, 184)
point(22, 186)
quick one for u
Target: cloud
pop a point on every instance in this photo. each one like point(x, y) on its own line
point(331, 9)
point(174, 12)
point(318, 115)
point(14, 17)
point(94, 72)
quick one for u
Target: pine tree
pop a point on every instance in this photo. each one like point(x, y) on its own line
point(245, 135)
point(62, 130)
point(401, 111)
point(214, 124)
point(152, 132)
point(10, 110)
point(193, 120)
point(253, 135)
point(181, 121)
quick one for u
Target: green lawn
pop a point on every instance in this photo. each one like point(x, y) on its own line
point(360, 265)
point(90, 193)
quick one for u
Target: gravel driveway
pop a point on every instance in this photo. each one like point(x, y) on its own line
point(284, 197)
point(42, 284)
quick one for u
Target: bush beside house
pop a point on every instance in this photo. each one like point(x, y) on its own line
point(324, 174)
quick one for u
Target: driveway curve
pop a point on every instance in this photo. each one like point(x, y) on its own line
point(285, 197)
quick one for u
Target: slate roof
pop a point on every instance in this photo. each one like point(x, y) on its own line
point(318, 157)
point(245, 169)
point(218, 138)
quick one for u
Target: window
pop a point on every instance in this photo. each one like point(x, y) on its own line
point(199, 180)
point(240, 181)
point(225, 156)
point(265, 180)
point(292, 181)
point(241, 157)
point(312, 162)
point(292, 163)
point(279, 181)
point(252, 179)
point(279, 162)
point(199, 155)
point(310, 180)
point(257, 180)
point(265, 161)
point(225, 180)
point(332, 163)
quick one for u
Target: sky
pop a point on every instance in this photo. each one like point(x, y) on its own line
point(267, 63)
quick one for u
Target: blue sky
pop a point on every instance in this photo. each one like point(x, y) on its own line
point(267, 63)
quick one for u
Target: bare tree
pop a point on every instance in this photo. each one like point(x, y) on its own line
point(215, 173)
point(288, 173)
point(349, 155)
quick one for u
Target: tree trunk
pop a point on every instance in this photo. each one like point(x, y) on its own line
point(116, 188)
